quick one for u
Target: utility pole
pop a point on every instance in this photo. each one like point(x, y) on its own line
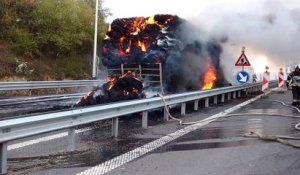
point(94, 76)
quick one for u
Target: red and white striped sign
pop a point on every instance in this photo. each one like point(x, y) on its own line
point(281, 79)
point(265, 82)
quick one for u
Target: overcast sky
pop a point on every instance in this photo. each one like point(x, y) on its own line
point(270, 29)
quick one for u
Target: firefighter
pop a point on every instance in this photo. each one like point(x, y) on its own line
point(288, 81)
point(295, 84)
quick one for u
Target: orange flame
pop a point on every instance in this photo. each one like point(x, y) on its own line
point(113, 80)
point(142, 46)
point(128, 49)
point(122, 39)
point(137, 25)
point(210, 77)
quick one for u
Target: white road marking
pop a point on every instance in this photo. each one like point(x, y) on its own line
point(138, 152)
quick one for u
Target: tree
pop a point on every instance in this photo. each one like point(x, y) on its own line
point(50, 27)
point(63, 26)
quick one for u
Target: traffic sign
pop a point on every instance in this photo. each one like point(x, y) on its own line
point(243, 60)
point(242, 77)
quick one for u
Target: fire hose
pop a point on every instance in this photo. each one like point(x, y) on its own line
point(279, 138)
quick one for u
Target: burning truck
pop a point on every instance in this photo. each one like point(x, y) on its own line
point(163, 53)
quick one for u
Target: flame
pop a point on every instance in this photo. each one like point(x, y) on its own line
point(112, 82)
point(135, 90)
point(126, 93)
point(210, 77)
point(138, 25)
point(151, 20)
point(128, 49)
point(142, 46)
point(122, 39)
point(115, 85)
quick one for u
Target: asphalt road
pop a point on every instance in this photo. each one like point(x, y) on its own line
point(216, 148)
point(219, 148)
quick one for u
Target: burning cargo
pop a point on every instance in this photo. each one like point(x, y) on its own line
point(187, 61)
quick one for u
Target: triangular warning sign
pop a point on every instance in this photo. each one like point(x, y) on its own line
point(242, 61)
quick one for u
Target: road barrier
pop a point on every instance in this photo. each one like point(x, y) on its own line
point(28, 126)
point(281, 80)
point(30, 85)
point(266, 79)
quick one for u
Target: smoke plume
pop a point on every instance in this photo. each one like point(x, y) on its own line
point(268, 28)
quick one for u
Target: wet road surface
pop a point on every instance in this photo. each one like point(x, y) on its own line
point(217, 148)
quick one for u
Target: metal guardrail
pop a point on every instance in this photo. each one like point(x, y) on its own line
point(29, 85)
point(23, 127)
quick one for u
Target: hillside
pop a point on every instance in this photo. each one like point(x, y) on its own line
point(48, 40)
point(14, 68)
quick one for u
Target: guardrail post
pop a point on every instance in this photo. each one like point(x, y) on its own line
point(234, 95)
point(239, 94)
point(246, 91)
point(183, 107)
point(56, 90)
point(115, 127)
point(166, 115)
point(140, 70)
point(215, 99)
point(145, 119)
point(29, 92)
point(229, 96)
point(71, 139)
point(3, 153)
point(122, 69)
point(196, 105)
point(206, 102)
point(223, 98)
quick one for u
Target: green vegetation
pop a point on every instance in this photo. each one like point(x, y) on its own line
point(53, 37)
